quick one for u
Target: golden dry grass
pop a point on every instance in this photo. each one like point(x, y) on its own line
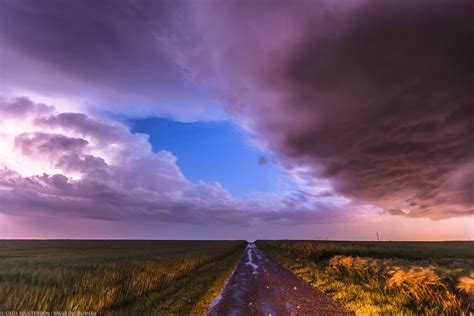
point(466, 284)
point(393, 285)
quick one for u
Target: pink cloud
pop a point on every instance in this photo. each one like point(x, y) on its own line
point(76, 166)
point(116, 53)
point(375, 97)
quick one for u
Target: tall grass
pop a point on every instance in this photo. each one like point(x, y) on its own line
point(385, 278)
point(105, 275)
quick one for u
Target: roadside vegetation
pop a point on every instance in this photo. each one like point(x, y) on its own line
point(409, 278)
point(114, 277)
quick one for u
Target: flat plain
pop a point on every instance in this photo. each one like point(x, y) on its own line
point(127, 277)
point(374, 278)
point(114, 277)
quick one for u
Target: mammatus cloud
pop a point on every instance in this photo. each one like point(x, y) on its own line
point(375, 96)
point(72, 165)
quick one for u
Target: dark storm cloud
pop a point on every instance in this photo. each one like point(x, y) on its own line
point(107, 41)
point(387, 92)
point(104, 52)
point(376, 96)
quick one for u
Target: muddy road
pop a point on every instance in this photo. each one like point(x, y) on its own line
point(260, 286)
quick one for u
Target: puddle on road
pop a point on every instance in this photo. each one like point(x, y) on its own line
point(250, 250)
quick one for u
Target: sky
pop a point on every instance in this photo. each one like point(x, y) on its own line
point(215, 151)
point(237, 119)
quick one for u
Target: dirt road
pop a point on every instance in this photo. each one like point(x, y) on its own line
point(259, 286)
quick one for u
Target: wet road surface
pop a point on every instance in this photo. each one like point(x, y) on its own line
point(260, 286)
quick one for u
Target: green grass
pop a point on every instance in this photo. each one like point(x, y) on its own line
point(119, 277)
point(408, 278)
point(320, 250)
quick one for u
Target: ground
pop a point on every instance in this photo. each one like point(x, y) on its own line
point(259, 286)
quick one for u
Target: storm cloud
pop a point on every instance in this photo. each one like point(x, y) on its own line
point(374, 99)
point(72, 165)
point(99, 53)
point(375, 96)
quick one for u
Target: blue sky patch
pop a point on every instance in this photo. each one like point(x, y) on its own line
point(214, 151)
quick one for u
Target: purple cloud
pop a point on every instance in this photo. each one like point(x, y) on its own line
point(83, 125)
point(22, 107)
point(77, 166)
point(101, 53)
point(48, 144)
point(375, 96)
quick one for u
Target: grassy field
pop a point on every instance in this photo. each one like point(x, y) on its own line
point(408, 278)
point(114, 277)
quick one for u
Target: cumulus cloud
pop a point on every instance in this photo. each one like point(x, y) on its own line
point(72, 165)
point(22, 107)
point(99, 170)
point(38, 144)
point(374, 96)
